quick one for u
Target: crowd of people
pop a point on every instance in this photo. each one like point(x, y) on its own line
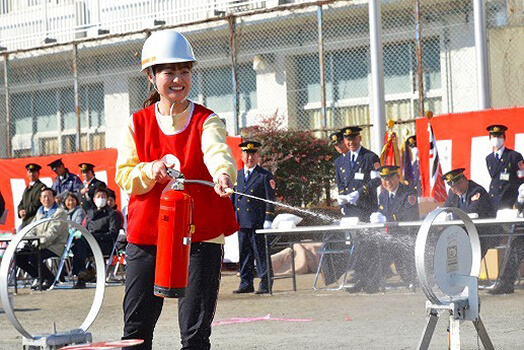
point(359, 175)
point(88, 203)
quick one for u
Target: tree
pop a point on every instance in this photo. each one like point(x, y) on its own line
point(301, 163)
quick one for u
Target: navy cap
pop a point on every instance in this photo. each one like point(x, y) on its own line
point(412, 141)
point(249, 146)
point(336, 137)
point(55, 163)
point(497, 129)
point(351, 131)
point(451, 177)
point(388, 170)
point(85, 167)
point(33, 167)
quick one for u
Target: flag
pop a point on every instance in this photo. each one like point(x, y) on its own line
point(390, 153)
point(437, 189)
point(407, 167)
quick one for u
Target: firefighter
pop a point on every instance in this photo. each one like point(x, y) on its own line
point(172, 131)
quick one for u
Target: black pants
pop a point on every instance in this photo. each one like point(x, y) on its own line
point(80, 249)
point(516, 254)
point(252, 248)
point(195, 311)
point(28, 261)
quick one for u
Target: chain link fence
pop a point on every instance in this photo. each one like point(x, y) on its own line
point(77, 96)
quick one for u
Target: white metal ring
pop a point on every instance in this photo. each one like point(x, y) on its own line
point(420, 250)
point(8, 257)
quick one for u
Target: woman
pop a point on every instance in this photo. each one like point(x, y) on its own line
point(76, 213)
point(172, 131)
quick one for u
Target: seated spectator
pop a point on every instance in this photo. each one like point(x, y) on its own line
point(80, 247)
point(111, 202)
point(471, 198)
point(103, 222)
point(506, 284)
point(52, 236)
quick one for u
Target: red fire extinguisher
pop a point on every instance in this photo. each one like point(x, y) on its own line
point(174, 242)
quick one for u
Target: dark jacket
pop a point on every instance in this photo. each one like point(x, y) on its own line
point(31, 201)
point(87, 199)
point(504, 186)
point(477, 201)
point(69, 182)
point(251, 213)
point(359, 179)
point(403, 207)
point(2, 204)
point(104, 224)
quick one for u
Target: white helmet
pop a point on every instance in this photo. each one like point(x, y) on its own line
point(167, 46)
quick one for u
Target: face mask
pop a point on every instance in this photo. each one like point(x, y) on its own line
point(100, 202)
point(497, 142)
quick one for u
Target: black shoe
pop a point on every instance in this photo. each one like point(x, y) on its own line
point(371, 288)
point(357, 287)
point(80, 284)
point(36, 284)
point(262, 291)
point(502, 288)
point(46, 284)
point(244, 290)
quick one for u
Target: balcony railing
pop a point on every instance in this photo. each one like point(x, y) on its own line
point(40, 22)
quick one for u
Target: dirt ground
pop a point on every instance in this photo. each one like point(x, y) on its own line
point(306, 319)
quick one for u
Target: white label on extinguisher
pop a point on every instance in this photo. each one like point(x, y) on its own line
point(186, 241)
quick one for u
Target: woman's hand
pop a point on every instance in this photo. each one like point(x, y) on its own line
point(224, 186)
point(160, 172)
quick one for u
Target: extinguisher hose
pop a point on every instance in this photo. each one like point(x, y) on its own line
point(200, 182)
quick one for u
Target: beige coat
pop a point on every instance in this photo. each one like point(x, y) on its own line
point(53, 235)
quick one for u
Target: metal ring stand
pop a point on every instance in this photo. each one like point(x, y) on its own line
point(59, 339)
point(456, 266)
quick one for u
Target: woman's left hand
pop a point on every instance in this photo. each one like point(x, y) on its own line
point(224, 186)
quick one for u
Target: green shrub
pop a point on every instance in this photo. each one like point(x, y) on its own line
point(301, 163)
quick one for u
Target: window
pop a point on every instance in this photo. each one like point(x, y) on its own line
point(347, 75)
point(215, 85)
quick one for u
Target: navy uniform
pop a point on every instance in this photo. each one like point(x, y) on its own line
point(411, 142)
point(251, 215)
point(87, 198)
point(503, 166)
point(400, 206)
point(474, 200)
point(510, 273)
point(341, 162)
point(31, 197)
point(66, 182)
point(357, 176)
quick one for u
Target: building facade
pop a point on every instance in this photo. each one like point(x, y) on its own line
point(72, 68)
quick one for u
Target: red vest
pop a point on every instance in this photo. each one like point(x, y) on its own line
point(212, 215)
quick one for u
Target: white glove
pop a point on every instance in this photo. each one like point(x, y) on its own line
point(353, 197)
point(521, 194)
point(377, 218)
point(343, 211)
point(342, 199)
point(35, 244)
point(267, 224)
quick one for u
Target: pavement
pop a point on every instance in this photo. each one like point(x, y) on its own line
point(305, 319)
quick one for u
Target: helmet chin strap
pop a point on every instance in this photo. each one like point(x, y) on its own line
point(173, 103)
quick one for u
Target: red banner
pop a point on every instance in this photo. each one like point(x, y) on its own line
point(13, 178)
point(464, 143)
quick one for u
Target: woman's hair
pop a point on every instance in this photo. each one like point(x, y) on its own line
point(154, 96)
point(72, 195)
